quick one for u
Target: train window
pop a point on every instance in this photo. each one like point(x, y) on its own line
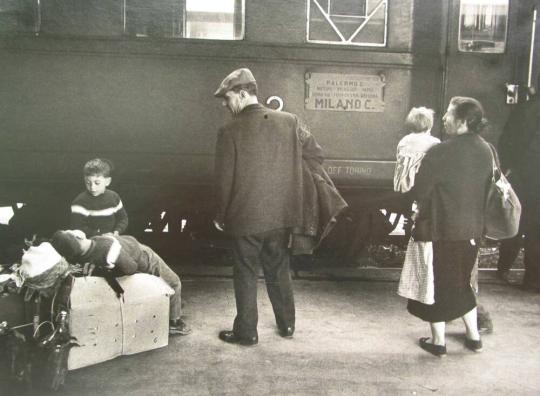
point(198, 19)
point(483, 25)
point(81, 17)
point(214, 19)
point(17, 16)
point(347, 22)
point(145, 18)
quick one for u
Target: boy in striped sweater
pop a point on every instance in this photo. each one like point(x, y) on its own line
point(98, 210)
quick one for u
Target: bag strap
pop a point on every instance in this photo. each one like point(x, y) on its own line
point(495, 163)
point(63, 294)
point(113, 283)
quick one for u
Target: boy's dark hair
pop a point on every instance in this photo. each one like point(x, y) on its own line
point(66, 245)
point(98, 167)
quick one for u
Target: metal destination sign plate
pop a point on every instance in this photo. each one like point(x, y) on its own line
point(344, 92)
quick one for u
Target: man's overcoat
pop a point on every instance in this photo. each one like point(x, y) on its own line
point(258, 170)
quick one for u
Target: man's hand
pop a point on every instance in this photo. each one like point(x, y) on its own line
point(218, 225)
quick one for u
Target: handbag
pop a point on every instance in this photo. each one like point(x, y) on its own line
point(503, 209)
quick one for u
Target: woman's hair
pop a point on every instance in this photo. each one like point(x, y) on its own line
point(419, 119)
point(98, 167)
point(471, 112)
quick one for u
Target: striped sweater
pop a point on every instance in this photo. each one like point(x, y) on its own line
point(98, 215)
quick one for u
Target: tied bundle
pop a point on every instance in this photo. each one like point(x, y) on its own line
point(41, 268)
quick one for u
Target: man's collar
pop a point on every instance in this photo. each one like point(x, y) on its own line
point(252, 107)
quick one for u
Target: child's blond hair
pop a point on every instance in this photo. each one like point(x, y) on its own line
point(419, 119)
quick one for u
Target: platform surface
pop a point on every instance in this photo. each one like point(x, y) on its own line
point(352, 337)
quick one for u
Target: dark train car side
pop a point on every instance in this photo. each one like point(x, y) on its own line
point(134, 83)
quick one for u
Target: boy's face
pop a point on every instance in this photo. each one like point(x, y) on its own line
point(96, 184)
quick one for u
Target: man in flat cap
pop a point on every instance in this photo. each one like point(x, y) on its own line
point(258, 172)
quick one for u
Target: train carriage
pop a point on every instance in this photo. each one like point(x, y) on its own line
point(132, 81)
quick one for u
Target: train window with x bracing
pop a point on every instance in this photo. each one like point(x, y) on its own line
point(483, 26)
point(347, 22)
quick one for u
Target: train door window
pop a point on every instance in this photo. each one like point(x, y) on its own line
point(347, 22)
point(214, 19)
point(17, 16)
point(483, 25)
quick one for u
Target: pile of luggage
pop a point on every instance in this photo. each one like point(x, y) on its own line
point(72, 320)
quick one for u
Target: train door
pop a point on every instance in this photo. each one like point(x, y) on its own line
point(486, 54)
point(529, 62)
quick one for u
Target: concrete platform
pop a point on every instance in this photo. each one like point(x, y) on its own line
point(353, 338)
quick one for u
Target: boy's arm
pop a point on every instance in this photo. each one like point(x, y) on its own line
point(78, 221)
point(121, 222)
point(119, 261)
point(125, 264)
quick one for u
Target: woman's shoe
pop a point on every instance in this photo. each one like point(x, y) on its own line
point(437, 350)
point(473, 345)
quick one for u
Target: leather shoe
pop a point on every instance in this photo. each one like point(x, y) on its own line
point(473, 345)
point(178, 327)
point(437, 350)
point(232, 338)
point(286, 332)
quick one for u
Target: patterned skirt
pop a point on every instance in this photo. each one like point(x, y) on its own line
point(453, 262)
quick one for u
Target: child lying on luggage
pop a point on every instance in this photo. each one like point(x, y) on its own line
point(122, 255)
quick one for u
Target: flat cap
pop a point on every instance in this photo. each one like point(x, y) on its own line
point(238, 77)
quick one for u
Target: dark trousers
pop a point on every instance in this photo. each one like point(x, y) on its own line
point(269, 250)
point(532, 257)
point(508, 252)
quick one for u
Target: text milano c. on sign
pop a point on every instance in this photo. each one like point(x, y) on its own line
point(344, 92)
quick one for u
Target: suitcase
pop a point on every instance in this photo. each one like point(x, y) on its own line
point(106, 326)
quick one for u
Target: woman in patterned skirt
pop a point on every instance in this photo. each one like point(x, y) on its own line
point(452, 182)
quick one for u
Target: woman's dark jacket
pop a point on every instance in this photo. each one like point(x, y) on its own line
point(451, 185)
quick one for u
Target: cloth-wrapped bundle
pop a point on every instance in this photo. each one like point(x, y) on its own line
point(41, 267)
